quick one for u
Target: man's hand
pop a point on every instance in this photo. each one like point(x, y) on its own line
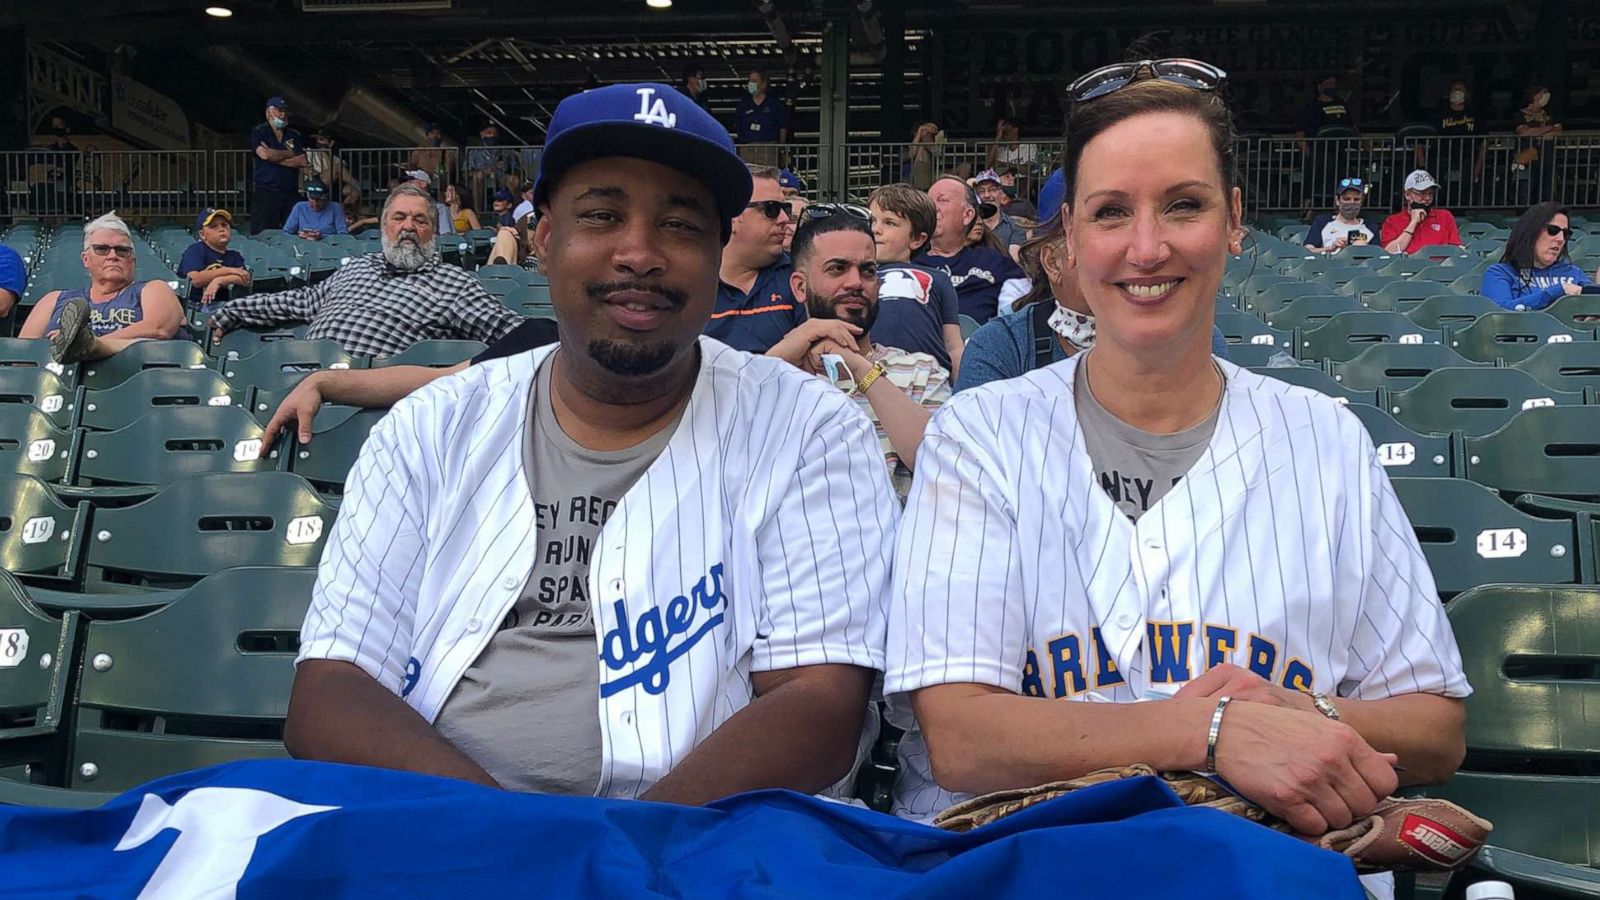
point(1229, 680)
point(299, 407)
point(1338, 244)
point(858, 365)
point(1361, 240)
point(795, 348)
point(1417, 215)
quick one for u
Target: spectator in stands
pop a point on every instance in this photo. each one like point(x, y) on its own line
point(1016, 205)
point(314, 218)
point(791, 184)
point(212, 269)
point(1539, 129)
point(280, 154)
point(1009, 150)
point(1029, 515)
point(1344, 227)
point(488, 165)
point(761, 118)
point(917, 306)
point(525, 208)
point(441, 212)
point(797, 212)
point(324, 165)
point(1534, 271)
point(113, 311)
point(755, 304)
point(503, 199)
point(1421, 224)
point(992, 211)
point(462, 216)
point(919, 163)
point(513, 245)
point(836, 272)
point(1457, 123)
point(432, 157)
point(13, 279)
point(382, 303)
point(1327, 109)
point(357, 219)
point(759, 673)
point(982, 275)
point(694, 84)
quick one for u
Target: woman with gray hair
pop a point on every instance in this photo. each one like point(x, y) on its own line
point(113, 311)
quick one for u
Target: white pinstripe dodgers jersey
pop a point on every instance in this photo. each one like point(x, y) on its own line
point(757, 540)
point(1283, 550)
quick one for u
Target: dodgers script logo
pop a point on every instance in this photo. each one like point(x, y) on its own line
point(648, 642)
point(656, 114)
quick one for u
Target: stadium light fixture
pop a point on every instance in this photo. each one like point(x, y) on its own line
point(658, 4)
point(219, 12)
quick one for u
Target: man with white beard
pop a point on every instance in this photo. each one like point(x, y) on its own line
point(382, 303)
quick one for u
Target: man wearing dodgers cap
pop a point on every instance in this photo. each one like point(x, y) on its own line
point(598, 567)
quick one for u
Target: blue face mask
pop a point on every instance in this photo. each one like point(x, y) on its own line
point(752, 87)
point(279, 123)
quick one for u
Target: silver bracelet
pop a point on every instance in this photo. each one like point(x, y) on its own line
point(1211, 736)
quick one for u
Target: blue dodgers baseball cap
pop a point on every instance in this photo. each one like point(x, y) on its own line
point(1052, 194)
point(645, 121)
point(789, 181)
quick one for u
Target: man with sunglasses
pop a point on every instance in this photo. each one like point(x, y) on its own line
point(1421, 223)
point(755, 305)
point(1332, 232)
point(113, 311)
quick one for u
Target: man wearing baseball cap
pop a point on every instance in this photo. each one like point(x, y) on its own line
point(1419, 223)
point(212, 269)
point(992, 211)
point(280, 154)
point(638, 489)
point(315, 217)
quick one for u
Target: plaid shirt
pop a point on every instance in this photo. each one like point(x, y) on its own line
point(374, 309)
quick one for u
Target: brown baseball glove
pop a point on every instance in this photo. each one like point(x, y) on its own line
point(1400, 835)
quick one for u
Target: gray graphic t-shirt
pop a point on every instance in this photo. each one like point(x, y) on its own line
point(1136, 468)
point(527, 710)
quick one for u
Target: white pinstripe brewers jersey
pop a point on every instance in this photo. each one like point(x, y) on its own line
point(1283, 550)
point(758, 540)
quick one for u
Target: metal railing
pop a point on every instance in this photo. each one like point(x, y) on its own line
point(1280, 175)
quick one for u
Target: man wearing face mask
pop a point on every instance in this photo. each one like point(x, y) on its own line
point(1327, 109)
point(432, 157)
point(1531, 166)
point(280, 154)
point(694, 84)
point(1457, 123)
point(487, 164)
point(382, 303)
point(1421, 223)
point(1330, 233)
point(760, 118)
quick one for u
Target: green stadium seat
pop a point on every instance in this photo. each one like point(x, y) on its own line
point(1472, 537)
point(31, 444)
point(1476, 401)
point(528, 298)
point(435, 354)
point(968, 326)
point(36, 667)
point(41, 538)
point(100, 374)
point(536, 279)
point(1440, 276)
point(40, 389)
point(1239, 328)
point(1451, 310)
point(1368, 283)
point(1307, 313)
point(1402, 296)
point(1551, 450)
point(1339, 276)
point(1347, 334)
point(1579, 311)
point(281, 364)
point(503, 272)
point(203, 524)
point(203, 680)
point(118, 406)
point(1395, 366)
point(31, 353)
point(1281, 294)
point(1403, 267)
point(168, 443)
point(1468, 283)
point(1317, 380)
point(501, 287)
point(249, 341)
point(1565, 367)
point(1403, 452)
point(1510, 336)
point(333, 449)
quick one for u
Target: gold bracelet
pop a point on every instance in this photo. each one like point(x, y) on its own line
point(873, 374)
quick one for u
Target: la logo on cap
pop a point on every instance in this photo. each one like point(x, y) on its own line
point(653, 114)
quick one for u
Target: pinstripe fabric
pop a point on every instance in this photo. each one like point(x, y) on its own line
point(1284, 546)
point(758, 540)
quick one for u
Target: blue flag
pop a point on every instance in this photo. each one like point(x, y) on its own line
point(313, 831)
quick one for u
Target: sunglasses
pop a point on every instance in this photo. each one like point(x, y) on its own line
point(1554, 230)
point(1191, 73)
point(828, 210)
point(772, 208)
point(123, 251)
point(1346, 184)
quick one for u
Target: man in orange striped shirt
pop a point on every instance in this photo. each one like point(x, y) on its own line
point(756, 306)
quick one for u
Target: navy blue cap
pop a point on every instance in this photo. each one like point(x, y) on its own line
point(209, 215)
point(503, 194)
point(279, 102)
point(315, 187)
point(645, 121)
point(790, 181)
point(1051, 195)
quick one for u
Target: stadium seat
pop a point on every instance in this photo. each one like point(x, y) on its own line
point(1451, 310)
point(31, 444)
point(1579, 311)
point(100, 374)
point(1339, 276)
point(281, 364)
point(1551, 450)
point(249, 341)
point(1565, 367)
point(503, 272)
point(1368, 283)
point(529, 297)
point(40, 389)
point(1402, 266)
point(501, 287)
point(1239, 328)
point(1317, 380)
point(30, 353)
point(1510, 336)
point(118, 406)
point(333, 449)
point(436, 354)
point(1472, 537)
point(1476, 401)
point(1347, 334)
point(1403, 452)
point(41, 538)
point(201, 681)
point(203, 524)
point(1307, 313)
point(1395, 366)
point(1281, 294)
point(36, 666)
point(168, 443)
point(1402, 296)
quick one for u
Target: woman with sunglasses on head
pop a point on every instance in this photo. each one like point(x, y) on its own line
point(1534, 271)
point(1344, 227)
point(1215, 559)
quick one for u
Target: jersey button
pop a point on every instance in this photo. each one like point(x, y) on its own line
point(473, 624)
point(1125, 621)
point(627, 718)
point(509, 582)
